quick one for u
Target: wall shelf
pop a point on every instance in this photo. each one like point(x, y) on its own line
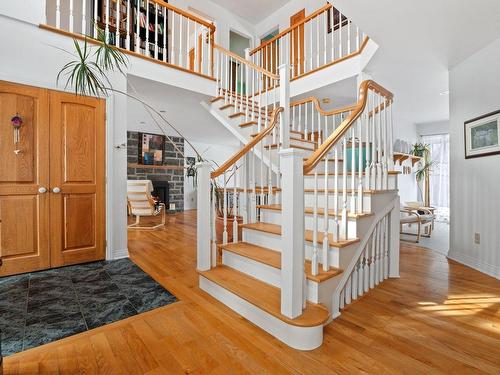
point(400, 157)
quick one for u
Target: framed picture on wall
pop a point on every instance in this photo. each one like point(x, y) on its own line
point(482, 135)
point(151, 147)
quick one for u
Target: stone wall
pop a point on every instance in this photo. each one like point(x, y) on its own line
point(171, 156)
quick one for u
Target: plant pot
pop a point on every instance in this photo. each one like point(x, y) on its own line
point(219, 228)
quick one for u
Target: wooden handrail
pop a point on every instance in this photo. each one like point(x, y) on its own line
point(246, 62)
point(192, 17)
point(228, 164)
point(317, 105)
point(335, 137)
point(291, 28)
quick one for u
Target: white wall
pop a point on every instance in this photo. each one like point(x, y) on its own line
point(475, 201)
point(432, 128)
point(212, 152)
point(224, 19)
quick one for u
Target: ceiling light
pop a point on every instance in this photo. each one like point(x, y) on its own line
point(142, 123)
point(325, 100)
point(443, 93)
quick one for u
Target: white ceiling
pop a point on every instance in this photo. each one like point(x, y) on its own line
point(182, 109)
point(419, 41)
point(252, 10)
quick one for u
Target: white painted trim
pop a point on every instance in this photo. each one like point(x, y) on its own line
point(119, 254)
point(250, 267)
point(477, 264)
point(301, 338)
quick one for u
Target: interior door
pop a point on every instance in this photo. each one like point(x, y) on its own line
point(24, 174)
point(77, 202)
point(297, 52)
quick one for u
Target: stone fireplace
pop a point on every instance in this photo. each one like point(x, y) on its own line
point(167, 179)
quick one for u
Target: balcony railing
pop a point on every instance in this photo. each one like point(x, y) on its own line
point(323, 38)
point(150, 28)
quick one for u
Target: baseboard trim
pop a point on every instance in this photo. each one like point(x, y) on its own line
point(120, 254)
point(478, 265)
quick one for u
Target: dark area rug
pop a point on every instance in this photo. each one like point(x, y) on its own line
point(41, 307)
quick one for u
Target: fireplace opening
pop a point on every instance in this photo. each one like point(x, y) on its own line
point(161, 191)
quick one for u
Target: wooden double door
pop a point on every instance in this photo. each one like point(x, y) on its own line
point(52, 182)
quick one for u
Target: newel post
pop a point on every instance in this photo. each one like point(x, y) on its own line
point(203, 216)
point(284, 88)
point(394, 239)
point(292, 235)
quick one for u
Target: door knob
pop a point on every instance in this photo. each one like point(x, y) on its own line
point(56, 190)
point(42, 190)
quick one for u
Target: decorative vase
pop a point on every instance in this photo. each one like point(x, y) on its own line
point(219, 228)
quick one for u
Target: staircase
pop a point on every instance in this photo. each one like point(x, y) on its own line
point(325, 229)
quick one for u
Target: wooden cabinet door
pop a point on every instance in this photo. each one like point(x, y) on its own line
point(24, 169)
point(77, 185)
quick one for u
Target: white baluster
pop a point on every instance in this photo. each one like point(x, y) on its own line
point(343, 224)
point(372, 258)
point(360, 165)
point(361, 272)
point(324, 28)
point(224, 207)
point(137, 27)
point(318, 51)
point(353, 169)
point(332, 11)
point(147, 50)
point(235, 208)
point(348, 36)
point(127, 21)
point(96, 7)
point(341, 52)
point(366, 267)
point(106, 26)
point(336, 231)
point(314, 260)
point(354, 282)
point(117, 23)
point(348, 287)
point(58, 14)
point(326, 219)
point(156, 31)
point(165, 32)
point(380, 145)
point(214, 232)
point(84, 17)
point(181, 40)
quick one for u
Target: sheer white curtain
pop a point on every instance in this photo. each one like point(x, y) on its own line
point(440, 173)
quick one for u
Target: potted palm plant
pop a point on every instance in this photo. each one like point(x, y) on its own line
point(423, 173)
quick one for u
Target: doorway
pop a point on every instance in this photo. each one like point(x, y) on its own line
point(436, 190)
point(238, 44)
point(52, 160)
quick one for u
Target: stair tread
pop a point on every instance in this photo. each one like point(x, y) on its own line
point(264, 296)
point(348, 173)
point(308, 235)
point(310, 210)
point(257, 189)
point(340, 190)
point(216, 98)
point(274, 146)
point(273, 258)
point(248, 123)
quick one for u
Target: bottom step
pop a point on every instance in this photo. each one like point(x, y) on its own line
point(260, 303)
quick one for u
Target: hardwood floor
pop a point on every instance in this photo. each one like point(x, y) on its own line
point(439, 317)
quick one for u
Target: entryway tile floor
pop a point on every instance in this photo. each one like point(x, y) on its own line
point(41, 307)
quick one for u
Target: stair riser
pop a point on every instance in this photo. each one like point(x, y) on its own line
point(260, 271)
point(309, 201)
point(274, 217)
point(272, 275)
point(309, 182)
point(273, 241)
point(301, 338)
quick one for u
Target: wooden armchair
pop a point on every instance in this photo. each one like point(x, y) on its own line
point(424, 220)
point(141, 203)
